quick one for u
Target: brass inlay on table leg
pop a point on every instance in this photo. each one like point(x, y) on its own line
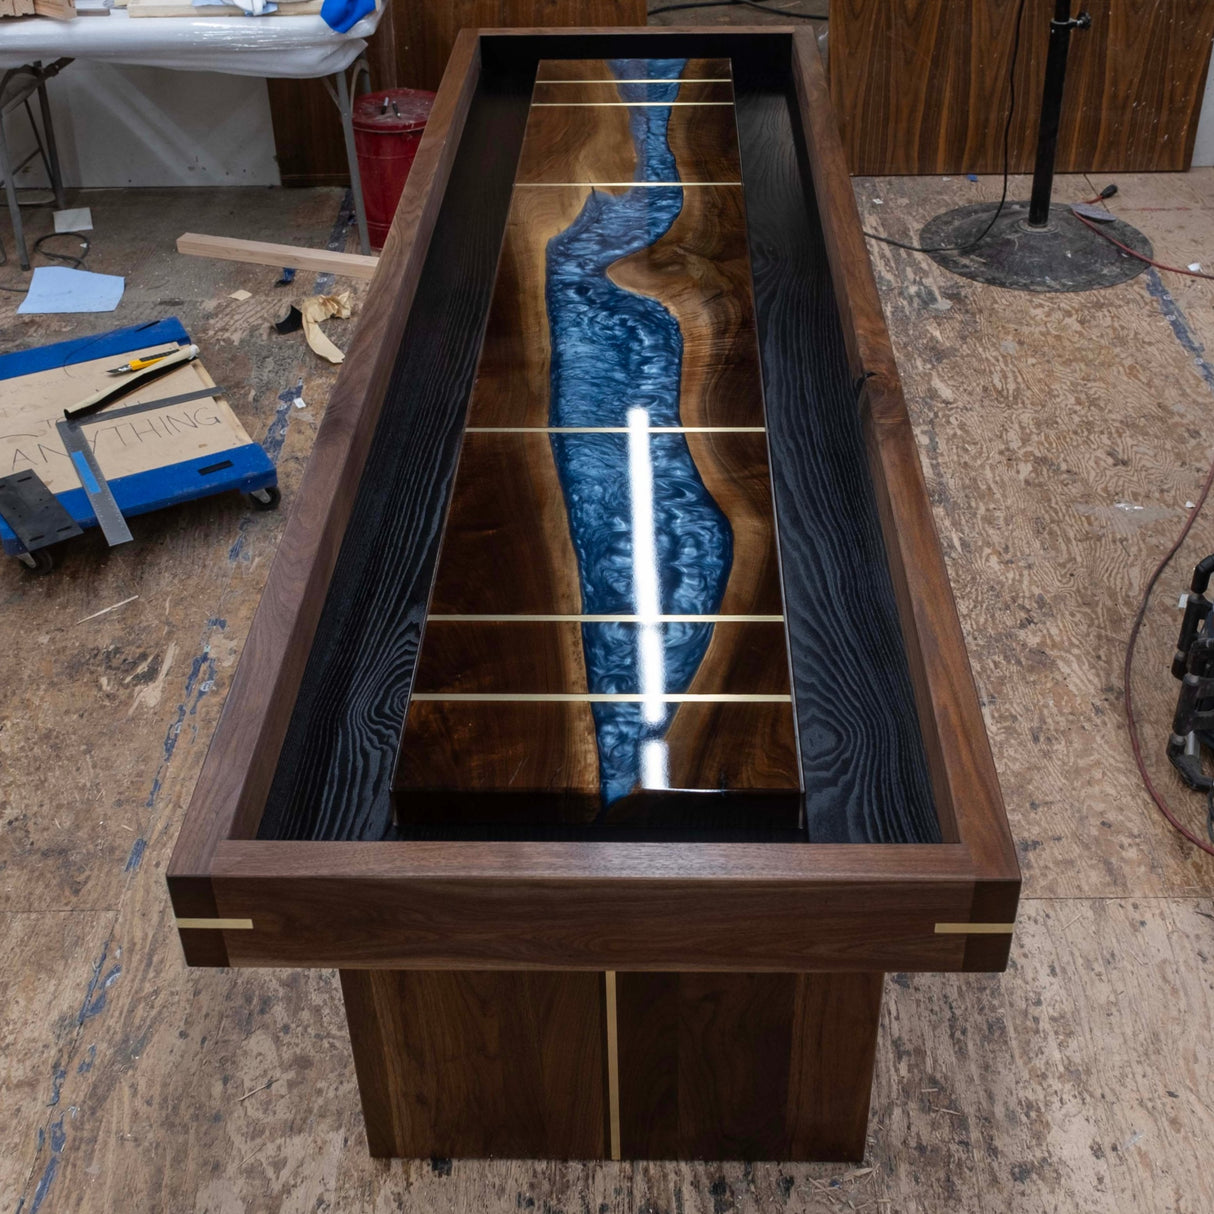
point(613, 1066)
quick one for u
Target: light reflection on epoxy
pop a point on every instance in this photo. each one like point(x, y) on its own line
point(651, 665)
point(655, 764)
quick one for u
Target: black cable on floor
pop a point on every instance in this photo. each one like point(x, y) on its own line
point(76, 262)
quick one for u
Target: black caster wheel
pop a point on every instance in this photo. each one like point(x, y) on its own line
point(38, 563)
point(265, 499)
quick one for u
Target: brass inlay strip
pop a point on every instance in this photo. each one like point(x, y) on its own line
point(609, 619)
point(546, 105)
point(613, 1066)
point(612, 184)
point(975, 929)
point(596, 697)
point(614, 429)
point(216, 925)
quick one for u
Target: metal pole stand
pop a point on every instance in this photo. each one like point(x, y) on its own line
point(1038, 245)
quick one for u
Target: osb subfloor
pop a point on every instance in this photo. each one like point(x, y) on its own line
point(1061, 437)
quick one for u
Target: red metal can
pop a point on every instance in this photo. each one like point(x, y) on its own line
point(388, 127)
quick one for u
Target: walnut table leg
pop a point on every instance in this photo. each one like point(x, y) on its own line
point(746, 1066)
point(472, 1064)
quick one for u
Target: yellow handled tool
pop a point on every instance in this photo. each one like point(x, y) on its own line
point(138, 364)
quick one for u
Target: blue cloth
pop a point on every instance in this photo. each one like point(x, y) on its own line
point(343, 15)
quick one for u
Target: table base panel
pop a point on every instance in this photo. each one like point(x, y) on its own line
point(706, 1066)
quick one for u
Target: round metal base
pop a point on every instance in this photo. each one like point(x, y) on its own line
point(1064, 256)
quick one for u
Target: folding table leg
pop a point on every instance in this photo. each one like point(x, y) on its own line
point(52, 152)
point(356, 186)
point(14, 208)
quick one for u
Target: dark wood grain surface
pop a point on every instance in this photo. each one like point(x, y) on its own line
point(230, 796)
point(921, 86)
point(746, 1066)
point(479, 1064)
point(962, 772)
point(865, 771)
point(573, 904)
point(336, 762)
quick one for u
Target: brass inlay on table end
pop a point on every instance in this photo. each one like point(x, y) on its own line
point(215, 925)
point(975, 929)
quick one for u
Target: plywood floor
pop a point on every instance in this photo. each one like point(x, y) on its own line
point(1061, 437)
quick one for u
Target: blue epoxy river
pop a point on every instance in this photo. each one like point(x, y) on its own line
point(650, 540)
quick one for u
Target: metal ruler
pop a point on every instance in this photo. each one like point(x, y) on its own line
point(96, 487)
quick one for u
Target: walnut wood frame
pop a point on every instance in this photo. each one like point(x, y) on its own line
point(597, 906)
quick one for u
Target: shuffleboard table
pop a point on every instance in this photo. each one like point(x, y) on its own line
point(606, 720)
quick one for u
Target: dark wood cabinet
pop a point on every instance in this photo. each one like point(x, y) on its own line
point(922, 86)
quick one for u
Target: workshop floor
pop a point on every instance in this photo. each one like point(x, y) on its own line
point(1061, 437)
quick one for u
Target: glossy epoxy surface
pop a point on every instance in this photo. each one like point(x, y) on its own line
point(605, 639)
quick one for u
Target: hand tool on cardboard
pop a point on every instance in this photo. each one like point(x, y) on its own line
point(136, 379)
point(139, 364)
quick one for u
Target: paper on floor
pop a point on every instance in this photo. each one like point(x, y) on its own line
point(78, 219)
point(60, 289)
point(318, 308)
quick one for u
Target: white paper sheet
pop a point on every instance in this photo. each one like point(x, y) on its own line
point(77, 219)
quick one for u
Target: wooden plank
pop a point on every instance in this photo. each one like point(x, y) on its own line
point(923, 87)
point(60, 10)
point(533, 905)
point(263, 253)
